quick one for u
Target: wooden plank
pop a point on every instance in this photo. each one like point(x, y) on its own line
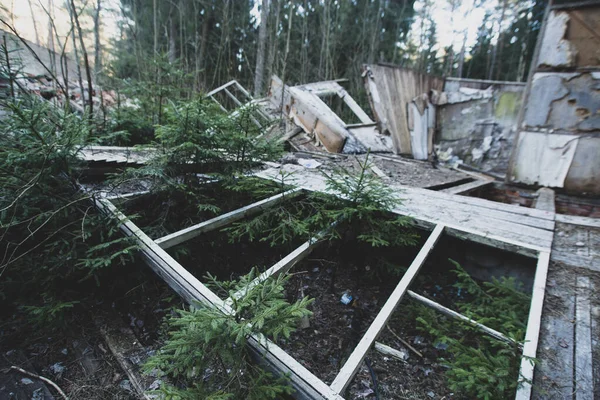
point(217, 90)
point(343, 378)
point(584, 379)
point(533, 327)
point(126, 195)
point(389, 351)
point(361, 125)
point(232, 97)
point(462, 222)
point(183, 235)
point(243, 90)
point(545, 200)
point(467, 187)
point(453, 314)
point(576, 220)
point(193, 291)
point(356, 109)
point(280, 267)
point(378, 171)
point(123, 344)
point(553, 378)
point(511, 209)
point(220, 105)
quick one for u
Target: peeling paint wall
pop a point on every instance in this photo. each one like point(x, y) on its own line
point(479, 129)
point(559, 135)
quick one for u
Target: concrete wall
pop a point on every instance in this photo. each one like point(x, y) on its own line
point(479, 126)
point(22, 58)
point(558, 142)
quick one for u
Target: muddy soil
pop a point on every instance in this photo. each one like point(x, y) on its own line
point(71, 351)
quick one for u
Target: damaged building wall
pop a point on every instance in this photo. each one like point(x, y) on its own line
point(304, 106)
point(477, 124)
point(559, 137)
point(391, 89)
point(22, 58)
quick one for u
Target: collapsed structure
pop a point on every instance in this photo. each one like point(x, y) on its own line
point(543, 133)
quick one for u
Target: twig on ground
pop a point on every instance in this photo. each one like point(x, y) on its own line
point(46, 380)
point(404, 342)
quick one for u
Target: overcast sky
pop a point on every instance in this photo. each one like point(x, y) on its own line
point(450, 25)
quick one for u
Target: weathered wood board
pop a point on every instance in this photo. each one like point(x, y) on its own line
point(517, 229)
point(391, 89)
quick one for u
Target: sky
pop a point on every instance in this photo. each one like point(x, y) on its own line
point(450, 25)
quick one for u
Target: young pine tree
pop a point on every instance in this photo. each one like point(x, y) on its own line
point(207, 354)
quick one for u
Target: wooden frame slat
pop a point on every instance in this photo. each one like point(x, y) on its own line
point(232, 97)
point(584, 370)
point(344, 377)
point(458, 316)
point(217, 90)
point(282, 266)
point(191, 232)
point(533, 327)
point(307, 385)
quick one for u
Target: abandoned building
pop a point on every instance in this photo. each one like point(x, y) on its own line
point(509, 172)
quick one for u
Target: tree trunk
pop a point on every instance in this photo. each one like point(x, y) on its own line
point(498, 43)
point(287, 45)
point(172, 42)
point(71, 13)
point(10, 74)
point(155, 15)
point(304, 48)
point(203, 43)
point(85, 60)
point(461, 59)
point(260, 52)
point(98, 49)
point(50, 45)
point(37, 35)
point(375, 33)
point(501, 38)
point(274, 40)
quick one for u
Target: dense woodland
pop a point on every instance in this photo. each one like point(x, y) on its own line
point(301, 41)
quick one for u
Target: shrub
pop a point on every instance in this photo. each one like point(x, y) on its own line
point(207, 353)
point(51, 236)
point(480, 366)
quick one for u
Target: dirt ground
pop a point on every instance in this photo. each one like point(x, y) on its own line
point(72, 352)
point(404, 171)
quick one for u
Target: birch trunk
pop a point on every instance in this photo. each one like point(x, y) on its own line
point(260, 52)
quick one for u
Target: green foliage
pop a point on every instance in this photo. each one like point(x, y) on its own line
point(198, 137)
point(359, 204)
point(362, 206)
point(283, 223)
point(207, 349)
point(480, 366)
point(50, 313)
point(51, 234)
